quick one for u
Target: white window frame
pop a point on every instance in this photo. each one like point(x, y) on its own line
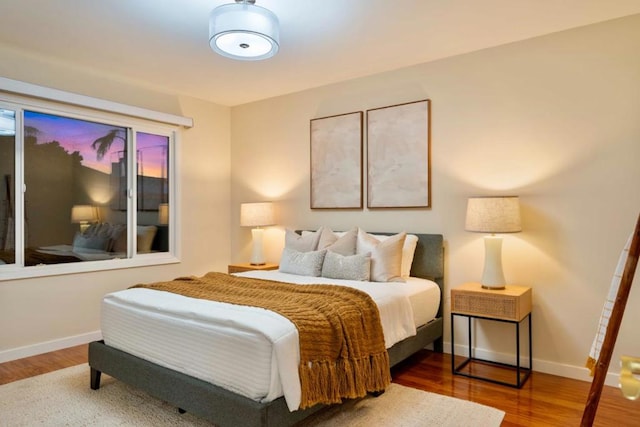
point(19, 96)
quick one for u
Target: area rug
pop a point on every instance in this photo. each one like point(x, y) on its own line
point(63, 398)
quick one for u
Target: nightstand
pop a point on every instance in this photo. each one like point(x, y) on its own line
point(239, 268)
point(510, 305)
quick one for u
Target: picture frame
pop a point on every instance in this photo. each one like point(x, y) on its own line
point(399, 156)
point(336, 161)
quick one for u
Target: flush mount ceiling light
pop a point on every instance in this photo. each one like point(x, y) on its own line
point(244, 31)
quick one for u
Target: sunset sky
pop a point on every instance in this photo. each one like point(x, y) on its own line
point(78, 135)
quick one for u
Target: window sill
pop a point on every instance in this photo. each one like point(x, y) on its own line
point(12, 272)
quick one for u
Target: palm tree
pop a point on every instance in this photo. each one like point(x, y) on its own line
point(103, 144)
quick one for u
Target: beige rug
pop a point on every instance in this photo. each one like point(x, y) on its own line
point(63, 398)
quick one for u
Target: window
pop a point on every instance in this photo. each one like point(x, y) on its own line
point(97, 191)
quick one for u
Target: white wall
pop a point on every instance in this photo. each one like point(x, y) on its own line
point(552, 119)
point(43, 314)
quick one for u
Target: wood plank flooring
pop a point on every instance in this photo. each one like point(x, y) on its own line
point(544, 400)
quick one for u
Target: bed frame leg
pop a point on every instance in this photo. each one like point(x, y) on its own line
point(438, 346)
point(377, 393)
point(95, 379)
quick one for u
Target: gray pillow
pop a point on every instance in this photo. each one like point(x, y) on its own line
point(352, 267)
point(81, 242)
point(302, 263)
point(307, 242)
point(344, 245)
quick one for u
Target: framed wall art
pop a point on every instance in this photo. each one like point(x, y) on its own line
point(399, 156)
point(336, 162)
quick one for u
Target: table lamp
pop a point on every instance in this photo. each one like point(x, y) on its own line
point(257, 215)
point(83, 215)
point(493, 215)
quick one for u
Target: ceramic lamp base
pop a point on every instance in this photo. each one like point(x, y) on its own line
point(492, 275)
point(257, 257)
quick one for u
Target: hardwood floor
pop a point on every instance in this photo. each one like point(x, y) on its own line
point(544, 400)
point(42, 363)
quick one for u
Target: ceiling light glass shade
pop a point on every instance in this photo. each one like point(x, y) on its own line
point(244, 31)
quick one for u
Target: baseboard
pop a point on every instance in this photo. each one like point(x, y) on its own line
point(45, 347)
point(553, 368)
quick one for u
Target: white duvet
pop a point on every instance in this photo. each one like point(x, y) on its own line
point(247, 350)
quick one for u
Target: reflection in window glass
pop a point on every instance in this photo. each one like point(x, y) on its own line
point(7, 197)
point(152, 165)
point(76, 180)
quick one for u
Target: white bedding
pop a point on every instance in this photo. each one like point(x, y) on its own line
point(247, 350)
point(85, 254)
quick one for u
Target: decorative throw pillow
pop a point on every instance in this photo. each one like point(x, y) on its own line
point(304, 243)
point(144, 237)
point(119, 244)
point(352, 267)
point(102, 229)
point(386, 255)
point(344, 244)
point(117, 235)
point(82, 242)
point(408, 250)
point(302, 263)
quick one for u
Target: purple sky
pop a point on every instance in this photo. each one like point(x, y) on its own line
point(78, 135)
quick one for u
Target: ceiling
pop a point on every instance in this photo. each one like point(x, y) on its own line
point(163, 44)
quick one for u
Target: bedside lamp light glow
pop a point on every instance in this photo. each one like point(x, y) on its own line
point(493, 215)
point(257, 215)
point(83, 215)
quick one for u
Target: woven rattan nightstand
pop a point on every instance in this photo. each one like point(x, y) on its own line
point(510, 305)
point(239, 268)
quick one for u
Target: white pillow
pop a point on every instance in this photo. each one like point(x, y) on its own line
point(386, 255)
point(302, 263)
point(144, 237)
point(352, 267)
point(344, 244)
point(306, 242)
point(408, 250)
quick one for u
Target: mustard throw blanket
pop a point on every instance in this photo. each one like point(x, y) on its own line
point(342, 351)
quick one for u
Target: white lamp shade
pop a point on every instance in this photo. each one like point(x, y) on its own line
point(256, 214)
point(493, 215)
point(83, 213)
point(244, 31)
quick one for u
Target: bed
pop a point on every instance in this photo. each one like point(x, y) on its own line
point(225, 407)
